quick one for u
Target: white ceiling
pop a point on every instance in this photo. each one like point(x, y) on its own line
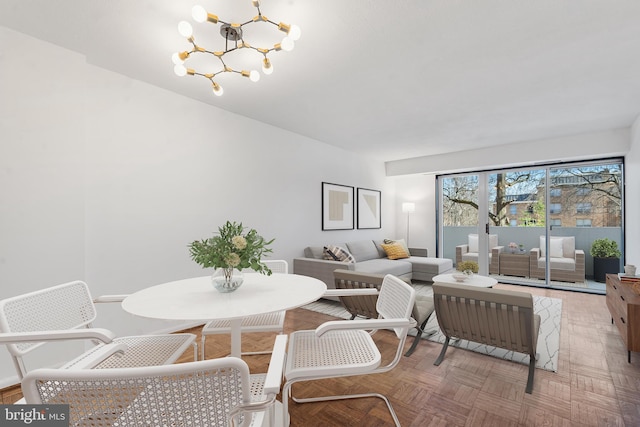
point(392, 79)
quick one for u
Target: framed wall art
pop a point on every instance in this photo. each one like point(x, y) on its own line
point(369, 208)
point(337, 207)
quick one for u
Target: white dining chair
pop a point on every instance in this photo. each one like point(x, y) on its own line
point(66, 312)
point(269, 322)
point(217, 392)
point(345, 348)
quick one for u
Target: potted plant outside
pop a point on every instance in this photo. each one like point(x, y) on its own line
point(606, 258)
point(468, 267)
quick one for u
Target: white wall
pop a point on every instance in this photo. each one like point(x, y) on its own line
point(632, 201)
point(107, 179)
point(607, 143)
point(419, 189)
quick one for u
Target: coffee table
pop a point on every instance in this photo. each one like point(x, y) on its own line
point(475, 280)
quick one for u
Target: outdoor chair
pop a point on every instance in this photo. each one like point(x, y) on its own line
point(365, 305)
point(566, 263)
point(345, 348)
point(66, 312)
point(470, 251)
point(269, 322)
point(209, 393)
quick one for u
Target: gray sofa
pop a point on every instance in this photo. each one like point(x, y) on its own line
point(371, 258)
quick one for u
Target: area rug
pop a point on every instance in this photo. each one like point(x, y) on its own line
point(549, 309)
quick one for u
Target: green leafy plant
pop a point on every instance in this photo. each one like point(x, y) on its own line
point(467, 266)
point(605, 248)
point(232, 248)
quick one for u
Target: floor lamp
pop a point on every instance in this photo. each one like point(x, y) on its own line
point(408, 207)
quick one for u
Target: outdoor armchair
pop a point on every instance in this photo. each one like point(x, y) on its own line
point(566, 263)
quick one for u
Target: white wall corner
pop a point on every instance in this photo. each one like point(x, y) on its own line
point(632, 202)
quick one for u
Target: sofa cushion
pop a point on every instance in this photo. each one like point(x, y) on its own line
point(569, 247)
point(430, 265)
point(385, 266)
point(559, 246)
point(470, 256)
point(363, 250)
point(337, 253)
point(555, 248)
point(561, 263)
point(395, 251)
point(473, 243)
point(381, 252)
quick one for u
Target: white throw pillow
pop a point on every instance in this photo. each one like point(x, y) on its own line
point(555, 247)
point(473, 243)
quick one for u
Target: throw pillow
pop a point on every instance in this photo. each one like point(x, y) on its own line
point(555, 248)
point(395, 251)
point(336, 253)
point(473, 243)
point(401, 242)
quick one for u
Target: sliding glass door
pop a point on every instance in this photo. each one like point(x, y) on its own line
point(534, 226)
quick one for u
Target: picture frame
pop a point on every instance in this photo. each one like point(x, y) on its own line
point(369, 208)
point(337, 206)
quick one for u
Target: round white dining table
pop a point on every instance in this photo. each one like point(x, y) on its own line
point(196, 299)
point(475, 280)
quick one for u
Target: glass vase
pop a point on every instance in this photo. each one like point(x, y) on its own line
point(227, 279)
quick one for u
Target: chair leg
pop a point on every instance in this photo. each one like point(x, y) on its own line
point(416, 340)
point(532, 369)
point(443, 351)
point(287, 388)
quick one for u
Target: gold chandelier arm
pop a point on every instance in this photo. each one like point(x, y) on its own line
point(232, 33)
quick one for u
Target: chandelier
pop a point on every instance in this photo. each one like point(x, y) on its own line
point(234, 40)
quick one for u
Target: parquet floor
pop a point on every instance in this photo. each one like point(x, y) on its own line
point(594, 385)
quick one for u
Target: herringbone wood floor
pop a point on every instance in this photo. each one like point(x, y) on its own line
point(594, 385)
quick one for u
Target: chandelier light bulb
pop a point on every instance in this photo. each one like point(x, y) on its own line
point(254, 76)
point(199, 13)
point(217, 89)
point(287, 44)
point(294, 33)
point(267, 68)
point(176, 58)
point(180, 70)
point(185, 29)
